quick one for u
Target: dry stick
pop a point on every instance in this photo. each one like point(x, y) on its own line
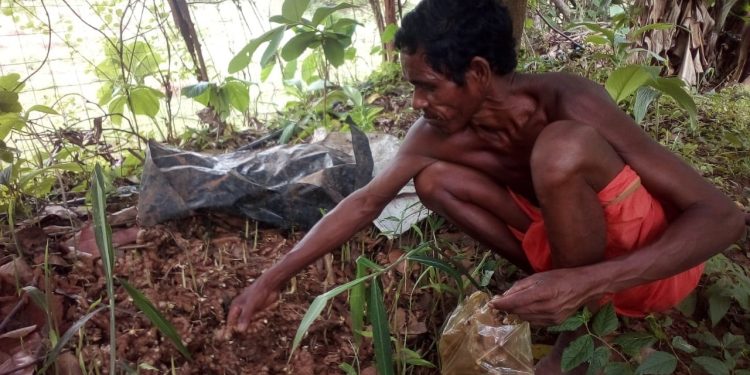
point(558, 31)
point(23, 366)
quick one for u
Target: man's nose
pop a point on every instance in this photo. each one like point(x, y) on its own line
point(418, 101)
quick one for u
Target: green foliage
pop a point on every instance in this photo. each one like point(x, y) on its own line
point(728, 281)
point(324, 31)
point(626, 81)
point(230, 94)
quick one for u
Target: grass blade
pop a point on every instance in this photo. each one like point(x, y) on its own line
point(381, 335)
point(52, 355)
point(447, 268)
point(103, 234)
point(316, 307)
point(357, 303)
point(153, 314)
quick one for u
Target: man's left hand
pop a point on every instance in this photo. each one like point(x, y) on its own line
point(548, 298)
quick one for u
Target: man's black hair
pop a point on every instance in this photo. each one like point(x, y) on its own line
point(452, 32)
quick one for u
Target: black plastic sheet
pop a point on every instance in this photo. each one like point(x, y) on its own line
point(284, 186)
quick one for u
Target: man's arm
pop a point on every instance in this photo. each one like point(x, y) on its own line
point(351, 215)
point(706, 221)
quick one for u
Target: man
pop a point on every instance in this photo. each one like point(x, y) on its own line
point(544, 169)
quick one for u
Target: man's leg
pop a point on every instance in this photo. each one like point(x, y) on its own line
point(570, 164)
point(477, 205)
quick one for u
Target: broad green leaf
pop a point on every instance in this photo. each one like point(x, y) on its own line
point(674, 87)
point(353, 94)
point(597, 39)
point(624, 81)
point(643, 98)
point(144, 101)
point(618, 368)
point(266, 71)
point(389, 33)
point(104, 93)
point(316, 307)
point(718, 306)
point(381, 335)
point(290, 69)
point(357, 303)
point(333, 51)
point(156, 317)
point(712, 365)
point(9, 102)
point(413, 358)
point(273, 46)
point(679, 342)
point(42, 109)
point(9, 82)
point(579, 351)
point(309, 70)
point(367, 263)
point(323, 12)
point(605, 321)
point(9, 122)
point(350, 54)
point(632, 342)
point(571, 324)
point(654, 26)
point(294, 9)
point(192, 91)
point(74, 328)
point(658, 363)
point(297, 44)
point(283, 20)
point(706, 338)
point(243, 58)
point(599, 360)
point(288, 132)
point(237, 94)
point(730, 341)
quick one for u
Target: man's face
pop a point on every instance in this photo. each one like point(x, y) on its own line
point(446, 105)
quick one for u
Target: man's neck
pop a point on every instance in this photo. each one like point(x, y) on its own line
point(505, 104)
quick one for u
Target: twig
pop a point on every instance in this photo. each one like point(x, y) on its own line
point(579, 45)
point(49, 47)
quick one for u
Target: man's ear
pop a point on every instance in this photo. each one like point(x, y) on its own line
point(480, 72)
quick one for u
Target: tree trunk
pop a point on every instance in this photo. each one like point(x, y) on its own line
point(384, 12)
point(563, 8)
point(517, 11)
point(184, 23)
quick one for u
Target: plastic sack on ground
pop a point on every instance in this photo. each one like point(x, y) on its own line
point(479, 340)
point(284, 186)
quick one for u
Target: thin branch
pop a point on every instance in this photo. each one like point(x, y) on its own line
point(558, 31)
point(49, 47)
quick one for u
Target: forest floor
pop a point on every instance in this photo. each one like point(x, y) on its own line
point(192, 268)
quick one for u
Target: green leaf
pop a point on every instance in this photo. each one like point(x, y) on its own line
point(707, 338)
point(323, 12)
point(237, 94)
point(625, 81)
point(9, 82)
point(654, 26)
point(579, 351)
point(283, 20)
point(353, 94)
point(266, 71)
point(617, 368)
point(658, 363)
point(74, 328)
point(679, 342)
point(316, 307)
point(712, 365)
point(388, 33)
point(605, 321)
point(295, 46)
point(347, 368)
point(443, 266)
point(643, 98)
point(357, 303)
point(294, 9)
point(144, 101)
point(333, 51)
point(632, 342)
point(103, 236)
point(571, 324)
point(718, 306)
point(243, 58)
point(42, 109)
point(674, 87)
point(381, 335)
point(192, 91)
point(599, 360)
point(156, 318)
point(273, 46)
point(9, 102)
point(597, 39)
point(290, 69)
point(730, 341)
point(309, 70)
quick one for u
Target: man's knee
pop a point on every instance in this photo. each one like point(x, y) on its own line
point(430, 183)
point(564, 150)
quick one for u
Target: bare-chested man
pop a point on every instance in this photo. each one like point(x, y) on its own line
point(543, 168)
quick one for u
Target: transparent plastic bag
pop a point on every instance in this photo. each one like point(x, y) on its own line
point(479, 340)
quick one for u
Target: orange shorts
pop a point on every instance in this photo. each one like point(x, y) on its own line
point(634, 219)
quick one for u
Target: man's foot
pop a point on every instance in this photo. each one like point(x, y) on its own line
point(551, 364)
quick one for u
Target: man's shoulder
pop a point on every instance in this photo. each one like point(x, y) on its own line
point(568, 81)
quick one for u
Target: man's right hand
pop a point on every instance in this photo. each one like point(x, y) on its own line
point(246, 306)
